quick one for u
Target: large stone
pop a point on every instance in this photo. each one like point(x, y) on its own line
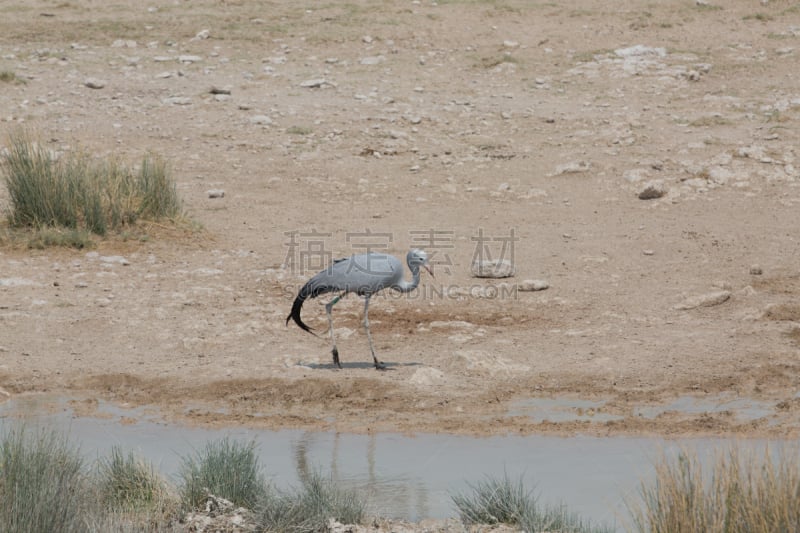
point(709, 299)
point(496, 268)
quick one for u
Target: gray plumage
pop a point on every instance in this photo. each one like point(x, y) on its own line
point(365, 275)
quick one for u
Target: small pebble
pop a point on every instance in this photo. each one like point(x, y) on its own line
point(756, 270)
point(652, 190)
point(263, 120)
point(94, 83)
point(216, 193)
point(313, 83)
point(533, 285)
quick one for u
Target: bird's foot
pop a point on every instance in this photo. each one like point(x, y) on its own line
point(336, 362)
point(380, 366)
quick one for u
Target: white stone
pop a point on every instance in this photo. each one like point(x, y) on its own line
point(372, 60)
point(114, 259)
point(496, 268)
point(262, 120)
point(573, 167)
point(314, 83)
point(533, 285)
point(426, 376)
point(704, 300)
point(640, 50)
point(178, 100)
point(94, 83)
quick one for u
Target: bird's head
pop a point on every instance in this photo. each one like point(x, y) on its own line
point(418, 258)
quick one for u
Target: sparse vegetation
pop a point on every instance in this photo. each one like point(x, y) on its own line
point(8, 76)
point(505, 501)
point(493, 61)
point(707, 7)
point(43, 484)
point(763, 17)
point(308, 508)
point(128, 482)
point(756, 495)
point(224, 468)
point(75, 194)
point(299, 130)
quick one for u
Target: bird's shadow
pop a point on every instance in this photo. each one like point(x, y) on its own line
point(386, 365)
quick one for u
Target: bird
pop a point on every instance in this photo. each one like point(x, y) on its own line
point(365, 275)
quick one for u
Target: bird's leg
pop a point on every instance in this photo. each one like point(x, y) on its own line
point(378, 364)
point(328, 309)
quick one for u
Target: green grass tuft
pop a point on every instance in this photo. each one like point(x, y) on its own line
point(299, 130)
point(76, 192)
point(128, 482)
point(505, 501)
point(42, 483)
point(224, 468)
point(308, 509)
point(8, 76)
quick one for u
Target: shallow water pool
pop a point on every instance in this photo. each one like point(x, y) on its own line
point(410, 477)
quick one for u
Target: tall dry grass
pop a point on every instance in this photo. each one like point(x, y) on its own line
point(76, 191)
point(736, 494)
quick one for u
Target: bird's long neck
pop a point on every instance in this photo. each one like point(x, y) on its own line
point(408, 286)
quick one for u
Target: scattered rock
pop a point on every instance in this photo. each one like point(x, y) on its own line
point(372, 60)
point(185, 58)
point(719, 175)
point(641, 50)
point(202, 35)
point(652, 190)
point(704, 300)
point(426, 376)
point(114, 259)
point(756, 270)
point(636, 175)
point(530, 285)
point(262, 120)
point(451, 324)
point(177, 100)
point(124, 43)
point(314, 83)
point(16, 282)
point(574, 167)
point(221, 90)
point(496, 268)
point(754, 151)
point(94, 83)
point(215, 193)
point(220, 515)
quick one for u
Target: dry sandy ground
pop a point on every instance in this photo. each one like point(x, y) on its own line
point(425, 124)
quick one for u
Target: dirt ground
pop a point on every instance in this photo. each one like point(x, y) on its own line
point(516, 130)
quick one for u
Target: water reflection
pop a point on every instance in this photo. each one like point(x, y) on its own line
point(354, 464)
point(406, 477)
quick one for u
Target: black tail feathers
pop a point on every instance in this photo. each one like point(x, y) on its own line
point(295, 313)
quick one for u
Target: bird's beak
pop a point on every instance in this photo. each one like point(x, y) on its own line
point(429, 270)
